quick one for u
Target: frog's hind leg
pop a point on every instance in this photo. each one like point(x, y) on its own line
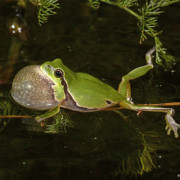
point(125, 90)
point(171, 125)
point(124, 87)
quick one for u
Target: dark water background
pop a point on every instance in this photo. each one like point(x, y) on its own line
point(103, 43)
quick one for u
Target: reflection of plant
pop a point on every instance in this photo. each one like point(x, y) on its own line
point(133, 158)
point(134, 164)
point(6, 108)
point(62, 121)
point(140, 160)
point(145, 157)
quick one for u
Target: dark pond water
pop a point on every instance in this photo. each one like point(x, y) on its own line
point(99, 145)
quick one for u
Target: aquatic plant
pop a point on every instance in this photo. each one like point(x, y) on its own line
point(146, 14)
point(46, 8)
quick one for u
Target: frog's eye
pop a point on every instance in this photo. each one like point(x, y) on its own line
point(58, 73)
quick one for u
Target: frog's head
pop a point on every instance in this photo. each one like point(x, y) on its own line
point(54, 70)
point(39, 87)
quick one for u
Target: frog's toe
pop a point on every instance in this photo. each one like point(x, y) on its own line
point(172, 126)
point(39, 119)
point(168, 129)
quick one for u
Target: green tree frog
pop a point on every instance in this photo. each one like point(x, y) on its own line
point(53, 85)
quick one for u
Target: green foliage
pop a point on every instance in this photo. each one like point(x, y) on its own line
point(46, 8)
point(121, 3)
point(161, 54)
point(6, 108)
point(94, 4)
point(61, 122)
point(147, 25)
point(147, 16)
point(127, 3)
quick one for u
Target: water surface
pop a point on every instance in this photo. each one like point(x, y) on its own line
point(100, 145)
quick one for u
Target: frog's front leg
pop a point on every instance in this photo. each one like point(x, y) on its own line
point(48, 114)
point(125, 90)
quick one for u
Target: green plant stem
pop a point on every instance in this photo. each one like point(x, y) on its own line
point(123, 7)
point(132, 12)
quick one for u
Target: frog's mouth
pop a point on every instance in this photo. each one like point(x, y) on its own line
point(33, 89)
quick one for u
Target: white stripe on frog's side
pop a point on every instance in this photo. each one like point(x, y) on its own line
point(70, 103)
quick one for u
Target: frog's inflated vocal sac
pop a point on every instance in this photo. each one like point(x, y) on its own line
point(53, 85)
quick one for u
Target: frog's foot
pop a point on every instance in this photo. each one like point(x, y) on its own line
point(48, 114)
point(171, 125)
point(39, 119)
